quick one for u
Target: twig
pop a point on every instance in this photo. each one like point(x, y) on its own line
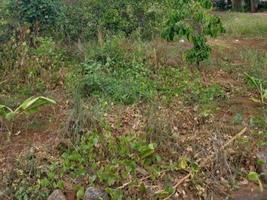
point(143, 179)
point(204, 162)
point(223, 147)
point(3, 82)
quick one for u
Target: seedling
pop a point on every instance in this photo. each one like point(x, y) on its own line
point(258, 84)
point(29, 106)
point(254, 177)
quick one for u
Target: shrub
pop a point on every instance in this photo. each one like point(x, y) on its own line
point(98, 81)
point(93, 19)
point(39, 14)
point(192, 19)
point(116, 73)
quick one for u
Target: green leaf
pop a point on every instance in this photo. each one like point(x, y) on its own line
point(31, 104)
point(183, 163)
point(4, 111)
point(147, 151)
point(80, 193)
point(44, 182)
point(253, 176)
point(60, 184)
point(115, 194)
point(10, 116)
point(195, 167)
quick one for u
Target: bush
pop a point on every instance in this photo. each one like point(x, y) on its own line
point(120, 86)
point(88, 20)
point(39, 14)
point(117, 73)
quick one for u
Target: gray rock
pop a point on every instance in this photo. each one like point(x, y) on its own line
point(262, 168)
point(57, 195)
point(93, 193)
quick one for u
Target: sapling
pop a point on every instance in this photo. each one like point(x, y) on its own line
point(193, 20)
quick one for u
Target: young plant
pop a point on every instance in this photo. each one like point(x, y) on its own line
point(254, 177)
point(193, 20)
point(29, 106)
point(258, 84)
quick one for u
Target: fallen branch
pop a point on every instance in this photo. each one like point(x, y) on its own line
point(203, 163)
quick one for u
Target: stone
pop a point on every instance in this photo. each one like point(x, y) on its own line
point(93, 193)
point(57, 195)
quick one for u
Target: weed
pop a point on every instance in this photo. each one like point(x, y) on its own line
point(106, 160)
point(22, 182)
point(259, 85)
point(115, 75)
point(30, 70)
point(86, 116)
point(238, 118)
point(260, 137)
point(254, 177)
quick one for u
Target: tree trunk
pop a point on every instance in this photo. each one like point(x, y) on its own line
point(252, 6)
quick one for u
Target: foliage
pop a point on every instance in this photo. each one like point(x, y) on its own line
point(39, 14)
point(259, 85)
point(254, 177)
point(105, 75)
point(92, 19)
point(21, 181)
point(256, 62)
point(112, 161)
point(29, 106)
point(193, 20)
point(173, 82)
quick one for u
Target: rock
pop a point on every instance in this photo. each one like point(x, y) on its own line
point(57, 195)
point(93, 193)
point(262, 168)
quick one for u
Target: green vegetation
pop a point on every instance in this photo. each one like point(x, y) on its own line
point(194, 23)
point(29, 106)
point(133, 116)
point(245, 25)
point(259, 85)
point(253, 176)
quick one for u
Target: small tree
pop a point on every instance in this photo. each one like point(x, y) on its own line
point(193, 19)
